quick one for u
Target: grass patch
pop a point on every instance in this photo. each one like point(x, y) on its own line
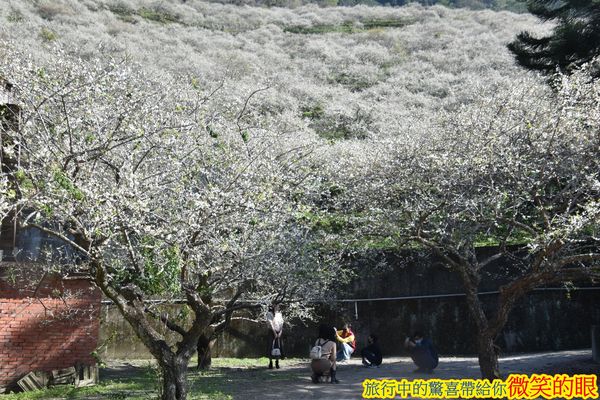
point(205, 386)
point(130, 389)
point(218, 383)
point(240, 362)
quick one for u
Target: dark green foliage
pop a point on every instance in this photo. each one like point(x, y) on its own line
point(48, 35)
point(213, 134)
point(386, 23)
point(574, 41)
point(349, 26)
point(50, 10)
point(161, 270)
point(158, 272)
point(320, 29)
point(355, 83)
point(15, 16)
point(327, 222)
point(509, 5)
point(123, 12)
point(121, 9)
point(340, 127)
point(337, 133)
point(333, 126)
point(66, 184)
point(155, 13)
point(350, 3)
point(312, 112)
point(158, 14)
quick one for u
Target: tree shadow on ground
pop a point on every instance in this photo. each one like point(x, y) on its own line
point(292, 381)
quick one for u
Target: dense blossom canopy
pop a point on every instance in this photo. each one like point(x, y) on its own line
point(227, 155)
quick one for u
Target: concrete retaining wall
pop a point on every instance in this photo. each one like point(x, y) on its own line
point(544, 320)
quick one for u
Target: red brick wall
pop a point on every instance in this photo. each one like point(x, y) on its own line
point(46, 326)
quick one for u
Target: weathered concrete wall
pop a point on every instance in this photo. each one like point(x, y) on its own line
point(119, 341)
point(596, 343)
point(544, 320)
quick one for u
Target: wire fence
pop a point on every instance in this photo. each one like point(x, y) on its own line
point(416, 297)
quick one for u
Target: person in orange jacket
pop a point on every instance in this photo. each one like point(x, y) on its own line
point(347, 343)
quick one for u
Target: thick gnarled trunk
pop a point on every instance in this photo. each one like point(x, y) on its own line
point(174, 378)
point(172, 363)
point(486, 349)
point(488, 357)
point(205, 344)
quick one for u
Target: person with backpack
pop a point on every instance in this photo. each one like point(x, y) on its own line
point(323, 355)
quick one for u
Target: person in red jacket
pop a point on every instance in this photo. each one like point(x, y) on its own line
point(347, 343)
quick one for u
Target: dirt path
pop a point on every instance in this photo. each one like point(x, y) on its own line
point(292, 382)
point(296, 384)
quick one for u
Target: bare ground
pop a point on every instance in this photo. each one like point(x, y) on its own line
point(292, 382)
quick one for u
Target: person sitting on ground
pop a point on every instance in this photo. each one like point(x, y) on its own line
point(326, 362)
point(371, 354)
point(422, 352)
point(347, 343)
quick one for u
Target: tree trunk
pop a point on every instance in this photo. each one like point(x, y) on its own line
point(488, 357)
point(204, 352)
point(174, 379)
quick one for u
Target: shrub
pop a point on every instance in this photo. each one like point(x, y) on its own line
point(49, 11)
point(158, 14)
point(354, 82)
point(349, 26)
point(48, 35)
point(15, 15)
point(312, 112)
point(123, 11)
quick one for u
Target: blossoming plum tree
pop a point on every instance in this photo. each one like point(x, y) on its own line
point(158, 198)
point(520, 173)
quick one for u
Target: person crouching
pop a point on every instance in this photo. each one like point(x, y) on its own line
point(371, 354)
point(326, 362)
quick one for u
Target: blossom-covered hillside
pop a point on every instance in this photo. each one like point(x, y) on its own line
point(237, 156)
point(341, 72)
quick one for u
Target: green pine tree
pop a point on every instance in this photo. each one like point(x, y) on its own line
point(574, 41)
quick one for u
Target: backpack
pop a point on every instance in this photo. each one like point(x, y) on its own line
point(317, 350)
